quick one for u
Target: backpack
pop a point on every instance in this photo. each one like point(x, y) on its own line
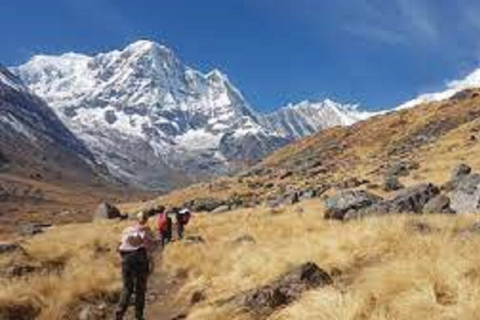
point(162, 222)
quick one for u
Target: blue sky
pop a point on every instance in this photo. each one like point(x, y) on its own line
point(378, 53)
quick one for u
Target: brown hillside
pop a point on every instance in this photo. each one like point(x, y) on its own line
point(430, 139)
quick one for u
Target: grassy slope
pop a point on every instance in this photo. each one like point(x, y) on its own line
point(384, 270)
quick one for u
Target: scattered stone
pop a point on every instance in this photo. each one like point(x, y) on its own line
point(221, 209)
point(282, 291)
point(194, 240)
point(207, 204)
point(465, 197)
point(411, 200)
point(402, 168)
point(8, 247)
point(351, 183)
point(245, 239)
point(420, 227)
point(391, 183)
point(349, 200)
point(197, 297)
point(439, 204)
point(31, 229)
point(107, 211)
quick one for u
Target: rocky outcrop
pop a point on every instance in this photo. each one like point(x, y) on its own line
point(465, 196)
point(439, 204)
point(107, 211)
point(284, 290)
point(411, 200)
point(348, 202)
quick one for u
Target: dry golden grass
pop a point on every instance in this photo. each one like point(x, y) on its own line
point(91, 269)
point(387, 270)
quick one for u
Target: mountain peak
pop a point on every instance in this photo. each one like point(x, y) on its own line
point(148, 46)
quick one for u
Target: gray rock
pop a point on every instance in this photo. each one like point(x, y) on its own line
point(439, 204)
point(465, 197)
point(107, 211)
point(8, 247)
point(207, 204)
point(31, 229)
point(391, 183)
point(411, 200)
point(221, 209)
point(351, 200)
point(460, 171)
point(284, 290)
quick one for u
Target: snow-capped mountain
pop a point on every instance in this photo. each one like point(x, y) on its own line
point(156, 122)
point(32, 138)
point(306, 118)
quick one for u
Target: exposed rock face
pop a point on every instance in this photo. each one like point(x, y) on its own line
point(107, 211)
point(349, 201)
point(411, 200)
point(458, 174)
point(465, 198)
point(284, 290)
point(439, 204)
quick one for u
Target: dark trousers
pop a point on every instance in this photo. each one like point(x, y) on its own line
point(180, 229)
point(166, 237)
point(135, 268)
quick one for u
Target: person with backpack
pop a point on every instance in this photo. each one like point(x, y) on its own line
point(183, 217)
point(136, 247)
point(164, 226)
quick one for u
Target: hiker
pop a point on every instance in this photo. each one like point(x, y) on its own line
point(183, 217)
point(135, 249)
point(164, 226)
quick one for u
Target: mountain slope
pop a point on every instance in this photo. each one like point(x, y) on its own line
point(44, 168)
point(158, 123)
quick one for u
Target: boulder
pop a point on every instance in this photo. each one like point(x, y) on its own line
point(8, 247)
point(350, 200)
point(31, 229)
point(391, 183)
point(401, 168)
point(107, 211)
point(351, 183)
point(439, 204)
point(465, 196)
point(284, 290)
point(207, 204)
point(221, 209)
point(411, 200)
point(459, 173)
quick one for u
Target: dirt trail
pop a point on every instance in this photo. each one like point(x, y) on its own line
point(162, 291)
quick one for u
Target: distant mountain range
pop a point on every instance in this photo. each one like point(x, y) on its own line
point(157, 124)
